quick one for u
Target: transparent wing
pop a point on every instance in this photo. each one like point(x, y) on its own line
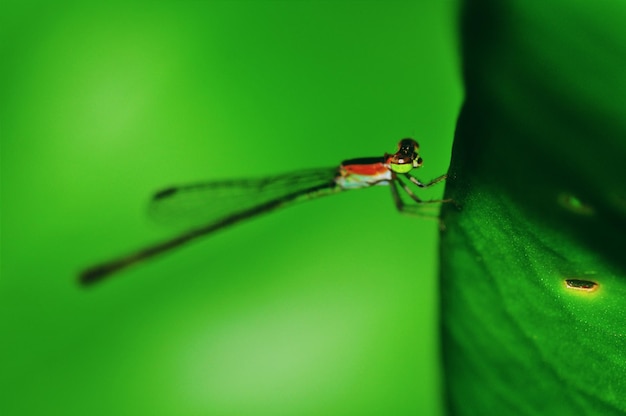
point(215, 205)
point(204, 203)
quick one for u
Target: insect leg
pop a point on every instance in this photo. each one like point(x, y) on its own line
point(396, 196)
point(425, 185)
point(415, 197)
point(420, 210)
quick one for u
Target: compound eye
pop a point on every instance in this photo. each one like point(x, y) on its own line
point(408, 145)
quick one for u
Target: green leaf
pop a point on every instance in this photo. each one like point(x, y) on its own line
point(534, 255)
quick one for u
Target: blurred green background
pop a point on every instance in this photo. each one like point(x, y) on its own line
point(328, 307)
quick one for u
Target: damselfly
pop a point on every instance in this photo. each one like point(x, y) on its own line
point(224, 203)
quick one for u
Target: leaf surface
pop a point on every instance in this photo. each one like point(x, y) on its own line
point(533, 272)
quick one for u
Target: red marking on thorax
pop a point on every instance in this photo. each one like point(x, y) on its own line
point(369, 169)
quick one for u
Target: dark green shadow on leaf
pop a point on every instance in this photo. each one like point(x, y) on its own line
point(533, 273)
